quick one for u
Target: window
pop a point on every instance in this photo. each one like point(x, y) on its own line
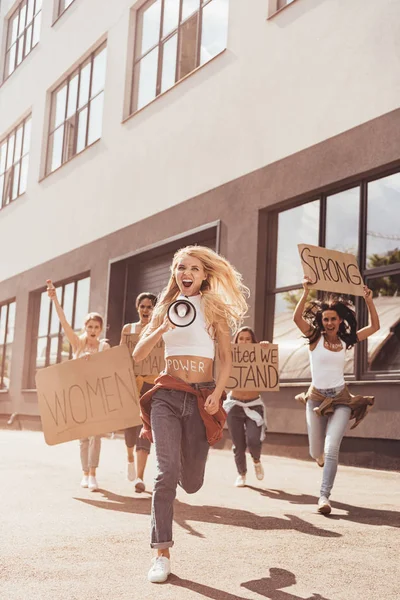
point(333, 220)
point(7, 325)
point(275, 5)
point(14, 160)
point(77, 110)
point(62, 5)
point(173, 38)
point(52, 345)
point(23, 31)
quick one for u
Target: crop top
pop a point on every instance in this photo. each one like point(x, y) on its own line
point(193, 340)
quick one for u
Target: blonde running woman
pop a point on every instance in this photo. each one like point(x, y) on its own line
point(183, 412)
point(84, 345)
point(144, 304)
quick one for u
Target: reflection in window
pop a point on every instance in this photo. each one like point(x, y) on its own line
point(7, 326)
point(23, 32)
point(52, 344)
point(383, 237)
point(14, 160)
point(384, 345)
point(77, 110)
point(298, 225)
point(169, 46)
point(342, 219)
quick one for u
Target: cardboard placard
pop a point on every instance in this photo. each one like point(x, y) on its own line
point(88, 396)
point(330, 270)
point(153, 364)
point(254, 368)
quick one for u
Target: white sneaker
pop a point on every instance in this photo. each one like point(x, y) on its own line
point(160, 569)
point(131, 472)
point(240, 481)
point(324, 506)
point(258, 468)
point(85, 481)
point(92, 485)
point(139, 485)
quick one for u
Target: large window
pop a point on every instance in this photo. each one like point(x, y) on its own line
point(174, 37)
point(363, 220)
point(14, 161)
point(7, 325)
point(77, 110)
point(23, 31)
point(52, 345)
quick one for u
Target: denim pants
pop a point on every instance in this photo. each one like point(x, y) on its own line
point(245, 433)
point(90, 452)
point(181, 449)
point(325, 435)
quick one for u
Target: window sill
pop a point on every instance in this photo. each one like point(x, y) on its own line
point(29, 391)
point(4, 392)
point(139, 110)
point(277, 12)
point(41, 179)
point(292, 384)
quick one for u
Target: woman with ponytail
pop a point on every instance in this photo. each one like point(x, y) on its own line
point(331, 328)
point(183, 412)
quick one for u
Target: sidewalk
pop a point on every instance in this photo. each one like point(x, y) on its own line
point(60, 542)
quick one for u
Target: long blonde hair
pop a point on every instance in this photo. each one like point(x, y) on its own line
point(223, 292)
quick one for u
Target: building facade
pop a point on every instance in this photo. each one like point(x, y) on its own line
point(128, 129)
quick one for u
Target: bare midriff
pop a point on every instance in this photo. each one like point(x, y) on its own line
point(192, 369)
point(245, 396)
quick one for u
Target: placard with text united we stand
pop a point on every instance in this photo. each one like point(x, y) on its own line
point(88, 396)
point(153, 364)
point(254, 368)
point(331, 270)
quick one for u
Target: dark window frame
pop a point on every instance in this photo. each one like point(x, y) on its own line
point(3, 345)
point(162, 40)
point(50, 336)
point(6, 186)
point(60, 11)
point(23, 36)
point(270, 219)
point(69, 144)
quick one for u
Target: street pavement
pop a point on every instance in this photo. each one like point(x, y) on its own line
point(61, 542)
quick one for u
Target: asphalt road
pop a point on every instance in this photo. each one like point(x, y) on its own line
point(61, 542)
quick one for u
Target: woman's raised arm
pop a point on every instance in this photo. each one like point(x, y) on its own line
point(69, 332)
point(373, 325)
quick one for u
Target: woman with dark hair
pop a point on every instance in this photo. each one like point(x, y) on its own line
point(145, 302)
point(331, 328)
point(246, 420)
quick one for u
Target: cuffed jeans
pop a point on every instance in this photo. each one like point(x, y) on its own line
point(325, 435)
point(245, 433)
point(181, 449)
point(90, 452)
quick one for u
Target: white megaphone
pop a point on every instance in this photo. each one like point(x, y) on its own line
point(181, 313)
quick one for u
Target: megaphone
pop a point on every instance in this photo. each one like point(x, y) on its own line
point(181, 313)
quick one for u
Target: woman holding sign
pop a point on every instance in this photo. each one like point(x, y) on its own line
point(331, 328)
point(183, 412)
point(145, 303)
point(84, 345)
point(246, 420)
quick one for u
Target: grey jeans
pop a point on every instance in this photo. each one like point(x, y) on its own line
point(325, 435)
point(90, 452)
point(181, 449)
point(245, 433)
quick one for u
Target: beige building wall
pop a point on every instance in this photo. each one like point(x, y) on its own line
point(314, 70)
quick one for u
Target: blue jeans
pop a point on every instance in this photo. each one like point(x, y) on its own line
point(181, 449)
point(325, 435)
point(244, 433)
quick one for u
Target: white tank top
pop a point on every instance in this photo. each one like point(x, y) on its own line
point(193, 340)
point(81, 350)
point(327, 367)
